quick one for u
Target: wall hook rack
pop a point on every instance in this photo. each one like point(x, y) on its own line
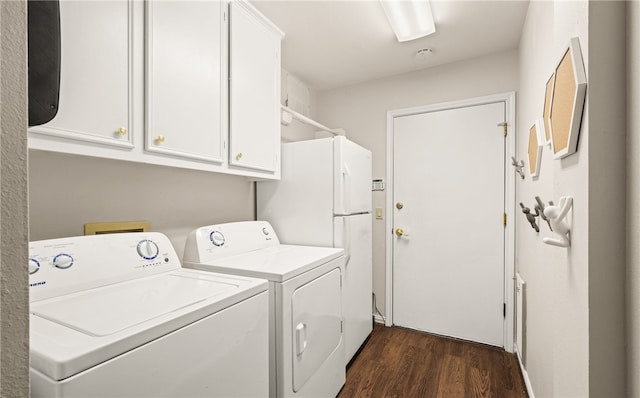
point(557, 216)
point(531, 217)
point(519, 165)
point(540, 209)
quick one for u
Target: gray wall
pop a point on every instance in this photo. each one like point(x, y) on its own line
point(67, 191)
point(14, 300)
point(557, 343)
point(575, 296)
point(607, 197)
point(633, 200)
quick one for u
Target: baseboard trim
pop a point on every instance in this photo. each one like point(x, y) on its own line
point(525, 375)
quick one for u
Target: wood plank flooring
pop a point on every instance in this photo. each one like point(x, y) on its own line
point(398, 362)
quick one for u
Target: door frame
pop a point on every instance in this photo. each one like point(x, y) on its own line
point(509, 99)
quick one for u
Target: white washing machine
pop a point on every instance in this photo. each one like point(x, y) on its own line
point(117, 316)
point(305, 298)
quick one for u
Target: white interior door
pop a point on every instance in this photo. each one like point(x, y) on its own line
point(449, 202)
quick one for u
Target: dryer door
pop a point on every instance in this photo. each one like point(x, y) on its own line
point(317, 325)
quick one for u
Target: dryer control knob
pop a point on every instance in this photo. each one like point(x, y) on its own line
point(34, 266)
point(148, 249)
point(216, 238)
point(62, 261)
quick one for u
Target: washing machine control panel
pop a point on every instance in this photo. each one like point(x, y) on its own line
point(34, 266)
point(148, 249)
point(62, 261)
point(217, 238)
point(67, 265)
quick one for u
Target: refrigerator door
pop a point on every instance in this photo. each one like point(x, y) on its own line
point(354, 234)
point(352, 178)
point(300, 205)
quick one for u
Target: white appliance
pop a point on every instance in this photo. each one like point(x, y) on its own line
point(305, 299)
point(117, 316)
point(324, 199)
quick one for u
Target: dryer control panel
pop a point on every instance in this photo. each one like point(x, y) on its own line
point(213, 242)
point(68, 265)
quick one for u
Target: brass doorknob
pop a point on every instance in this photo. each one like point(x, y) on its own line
point(399, 205)
point(399, 231)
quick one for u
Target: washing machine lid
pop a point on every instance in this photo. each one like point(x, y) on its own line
point(278, 263)
point(74, 332)
point(112, 309)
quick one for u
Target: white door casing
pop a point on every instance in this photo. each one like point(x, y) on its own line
point(448, 215)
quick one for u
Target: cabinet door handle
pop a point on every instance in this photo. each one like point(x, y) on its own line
point(239, 156)
point(122, 131)
point(160, 139)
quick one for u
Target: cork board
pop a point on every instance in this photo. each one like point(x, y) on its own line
point(536, 140)
point(546, 113)
point(567, 101)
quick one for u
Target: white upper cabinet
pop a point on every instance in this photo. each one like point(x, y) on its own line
point(254, 90)
point(181, 83)
point(95, 74)
point(186, 79)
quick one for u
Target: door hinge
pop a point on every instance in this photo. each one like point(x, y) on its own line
point(504, 310)
point(504, 219)
point(504, 125)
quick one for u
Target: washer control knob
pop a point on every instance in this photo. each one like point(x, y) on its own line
point(265, 231)
point(148, 249)
point(216, 238)
point(62, 261)
point(34, 266)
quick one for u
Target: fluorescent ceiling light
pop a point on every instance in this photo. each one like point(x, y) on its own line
point(409, 19)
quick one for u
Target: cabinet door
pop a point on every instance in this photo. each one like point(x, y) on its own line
point(184, 68)
point(254, 89)
point(95, 73)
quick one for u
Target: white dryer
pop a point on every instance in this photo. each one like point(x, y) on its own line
point(305, 298)
point(117, 316)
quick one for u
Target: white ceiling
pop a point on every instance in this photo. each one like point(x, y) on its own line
point(331, 44)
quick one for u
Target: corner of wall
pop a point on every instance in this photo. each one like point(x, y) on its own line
point(607, 197)
point(14, 295)
point(632, 312)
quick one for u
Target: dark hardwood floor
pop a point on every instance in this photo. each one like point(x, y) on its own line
point(398, 362)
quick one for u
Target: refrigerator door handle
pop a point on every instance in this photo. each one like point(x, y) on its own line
point(346, 239)
point(346, 189)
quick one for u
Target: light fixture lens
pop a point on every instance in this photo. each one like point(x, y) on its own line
point(409, 19)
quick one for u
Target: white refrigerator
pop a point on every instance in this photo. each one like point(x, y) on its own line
point(324, 199)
